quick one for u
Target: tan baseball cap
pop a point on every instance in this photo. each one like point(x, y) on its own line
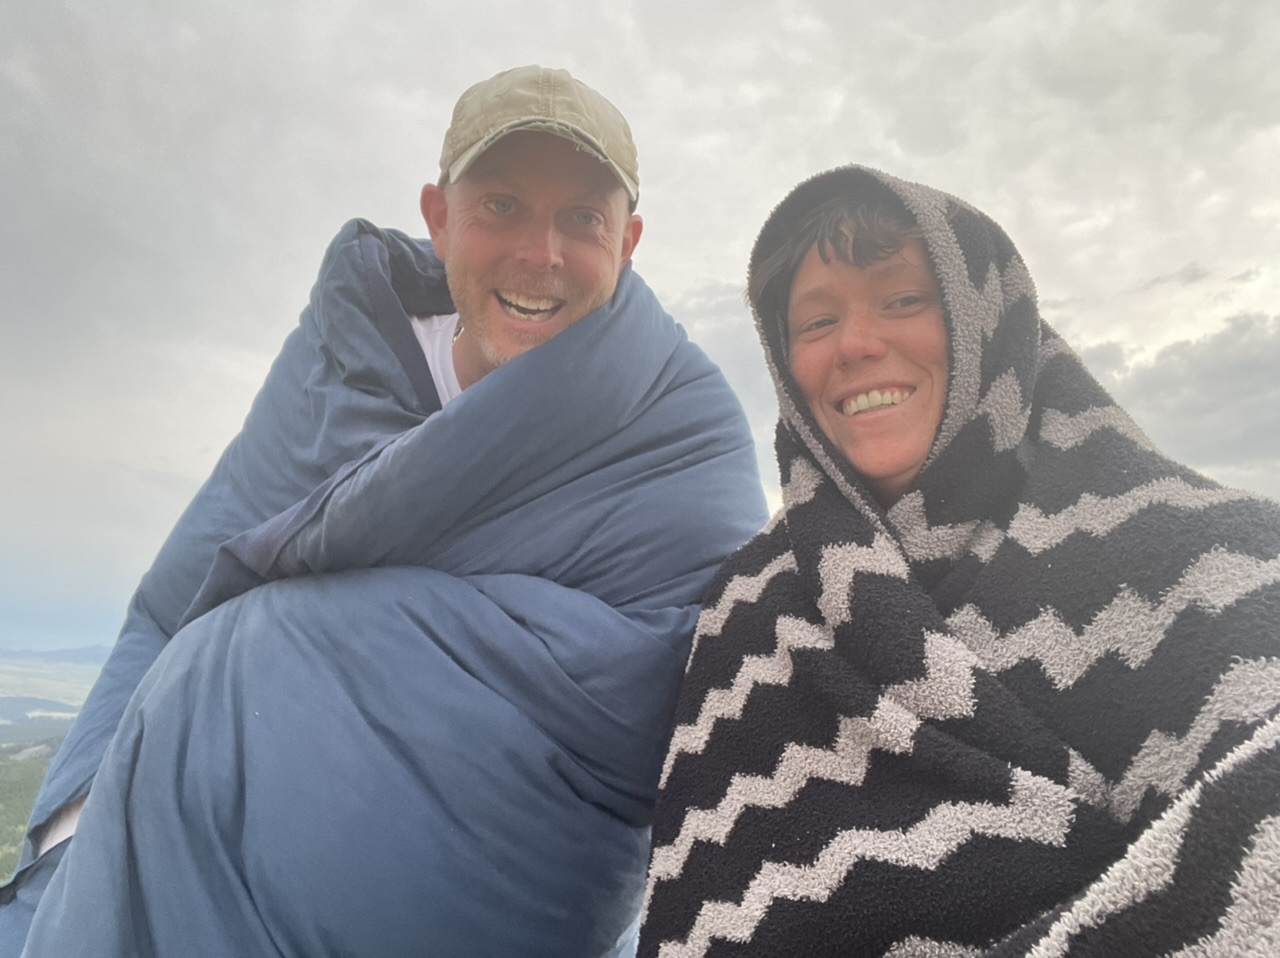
point(546, 101)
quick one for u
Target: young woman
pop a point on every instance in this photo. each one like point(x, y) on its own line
point(1000, 678)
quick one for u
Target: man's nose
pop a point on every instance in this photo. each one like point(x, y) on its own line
point(541, 244)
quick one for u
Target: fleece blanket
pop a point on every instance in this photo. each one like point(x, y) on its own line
point(421, 707)
point(1030, 709)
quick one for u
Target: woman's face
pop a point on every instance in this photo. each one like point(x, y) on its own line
point(869, 352)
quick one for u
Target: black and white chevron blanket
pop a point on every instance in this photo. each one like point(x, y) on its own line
point(1029, 710)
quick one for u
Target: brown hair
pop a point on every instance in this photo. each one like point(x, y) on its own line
point(857, 229)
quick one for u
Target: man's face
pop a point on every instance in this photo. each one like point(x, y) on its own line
point(869, 352)
point(533, 238)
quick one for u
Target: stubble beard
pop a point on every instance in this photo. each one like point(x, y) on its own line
point(538, 285)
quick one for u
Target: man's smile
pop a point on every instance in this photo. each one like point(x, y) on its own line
point(527, 307)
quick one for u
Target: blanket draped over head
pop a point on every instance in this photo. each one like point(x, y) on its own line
point(1029, 710)
point(420, 706)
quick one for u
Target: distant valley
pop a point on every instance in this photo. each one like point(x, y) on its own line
point(40, 695)
point(62, 676)
point(95, 655)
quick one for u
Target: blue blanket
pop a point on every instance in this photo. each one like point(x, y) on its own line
point(422, 665)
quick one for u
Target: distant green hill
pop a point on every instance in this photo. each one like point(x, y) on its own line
point(23, 708)
point(95, 655)
point(38, 696)
point(67, 682)
point(25, 719)
point(21, 734)
point(20, 779)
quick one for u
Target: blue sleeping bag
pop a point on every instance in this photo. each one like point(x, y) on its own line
point(423, 663)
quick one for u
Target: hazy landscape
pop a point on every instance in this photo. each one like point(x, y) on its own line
point(40, 695)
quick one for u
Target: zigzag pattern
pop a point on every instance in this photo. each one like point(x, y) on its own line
point(985, 306)
point(1004, 407)
point(1100, 515)
point(915, 947)
point(921, 541)
point(1255, 903)
point(803, 483)
point(1151, 861)
point(1087, 782)
point(1246, 693)
point(1038, 811)
point(1051, 349)
point(1036, 531)
point(1066, 431)
point(986, 541)
point(1129, 625)
point(1016, 282)
point(945, 692)
point(985, 303)
point(889, 729)
point(776, 669)
point(840, 565)
point(740, 589)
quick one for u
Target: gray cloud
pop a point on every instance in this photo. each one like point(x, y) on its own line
point(1212, 402)
point(1248, 276)
point(173, 171)
point(1186, 276)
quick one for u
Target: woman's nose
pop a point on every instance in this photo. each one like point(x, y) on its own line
point(860, 338)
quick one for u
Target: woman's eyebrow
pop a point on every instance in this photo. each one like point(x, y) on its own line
point(810, 294)
point(888, 268)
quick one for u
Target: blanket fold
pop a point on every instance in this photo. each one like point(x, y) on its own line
point(424, 703)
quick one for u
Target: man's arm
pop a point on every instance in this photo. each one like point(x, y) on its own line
point(312, 415)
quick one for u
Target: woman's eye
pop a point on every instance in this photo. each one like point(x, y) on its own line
point(905, 302)
point(814, 325)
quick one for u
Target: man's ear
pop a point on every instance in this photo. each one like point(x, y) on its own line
point(631, 235)
point(435, 212)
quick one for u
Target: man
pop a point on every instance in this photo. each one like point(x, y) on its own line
point(400, 679)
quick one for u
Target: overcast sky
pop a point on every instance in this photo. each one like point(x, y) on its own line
point(171, 172)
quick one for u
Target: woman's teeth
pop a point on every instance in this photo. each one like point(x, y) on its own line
point(526, 305)
point(873, 400)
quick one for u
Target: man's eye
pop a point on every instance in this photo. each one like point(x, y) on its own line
point(586, 218)
point(501, 206)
